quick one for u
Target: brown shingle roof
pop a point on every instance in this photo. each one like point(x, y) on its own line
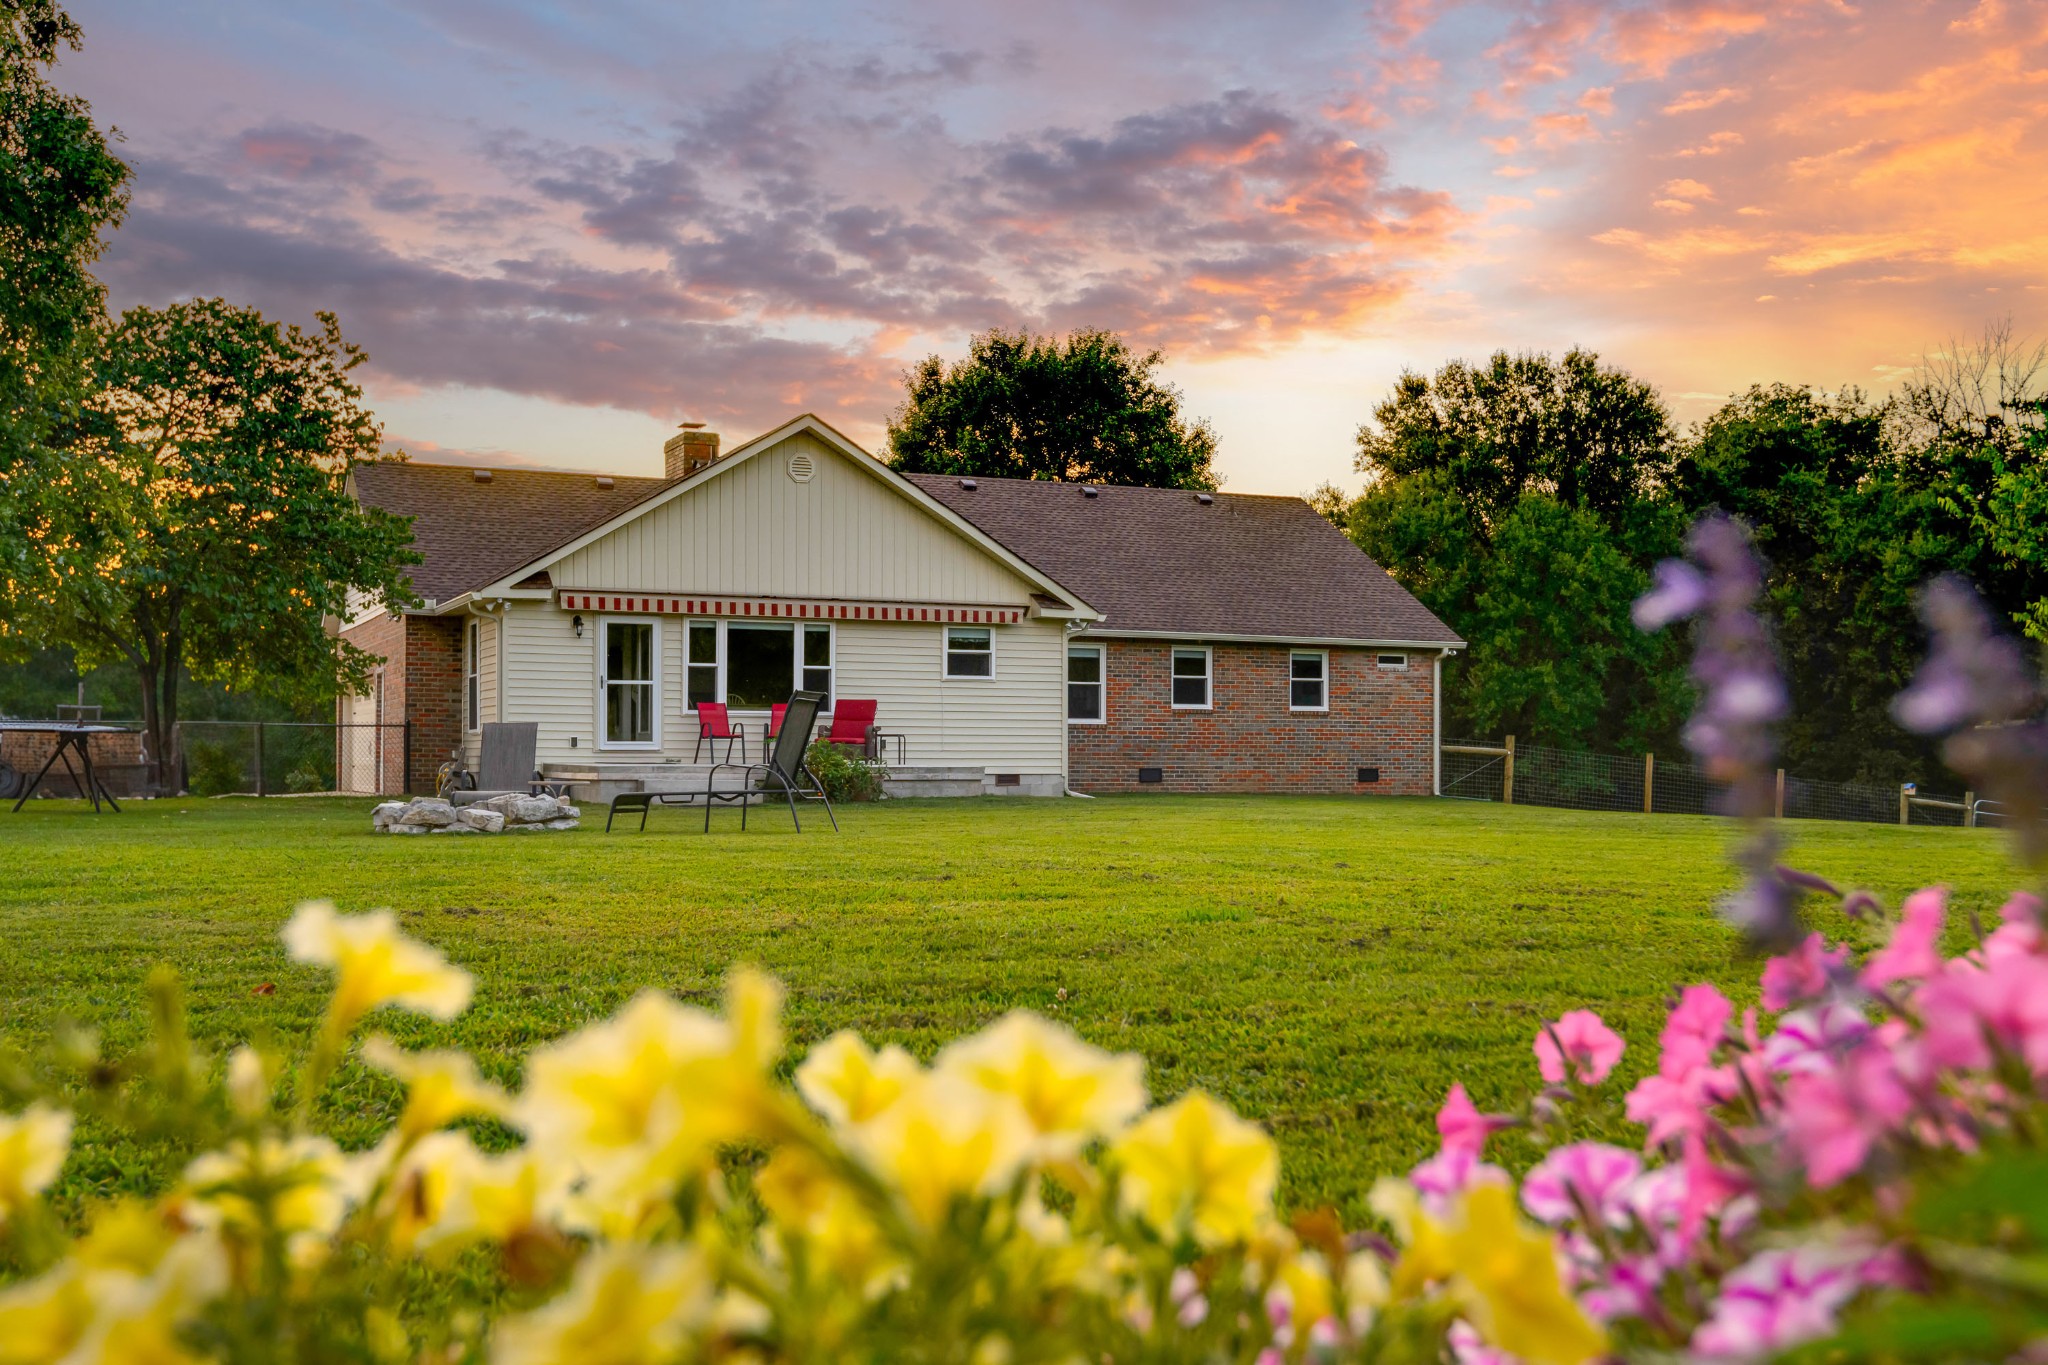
point(473, 534)
point(1159, 560)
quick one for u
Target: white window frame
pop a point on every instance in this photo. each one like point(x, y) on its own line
point(1294, 654)
point(946, 655)
point(1208, 677)
point(1399, 662)
point(717, 664)
point(472, 677)
point(604, 741)
point(1101, 685)
point(796, 682)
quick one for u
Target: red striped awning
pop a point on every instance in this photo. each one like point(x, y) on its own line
point(785, 608)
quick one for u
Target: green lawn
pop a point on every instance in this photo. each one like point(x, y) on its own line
point(1326, 965)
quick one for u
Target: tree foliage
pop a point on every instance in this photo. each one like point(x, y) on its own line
point(61, 186)
point(1518, 501)
point(220, 534)
point(1084, 409)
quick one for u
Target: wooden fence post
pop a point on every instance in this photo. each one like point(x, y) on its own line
point(1649, 779)
point(1507, 781)
point(1781, 794)
point(1905, 802)
point(1969, 810)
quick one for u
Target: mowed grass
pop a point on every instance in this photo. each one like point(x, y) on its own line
point(1327, 966)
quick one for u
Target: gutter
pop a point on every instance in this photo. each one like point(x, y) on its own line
point(1447, 647)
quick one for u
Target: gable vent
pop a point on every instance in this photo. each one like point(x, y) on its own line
point(480, 475)
point(802, 467)
point(604, 481)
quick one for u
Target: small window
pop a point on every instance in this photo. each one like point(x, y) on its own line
point(970, 652)
point(1308, 681)
point(702, 663)
point(1191, 679)
point(1084, 684)
point(1393, 661)
point(472, 677)
point(818, 662)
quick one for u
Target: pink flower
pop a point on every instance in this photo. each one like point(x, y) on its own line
point(1912, 951)
point(2019, 929)
point(1448, 1174)
point(1668, 1107)
point(1812, 1040)
point(1708, 1187)
point(1802, 973)
point(1583, 1040)
point(1460, 1124)
point(1775, 1300)
point(2006, 1001)
point(1630, 1288)
point(1833, 1117)
point(1693, 1030)
point(1469, 1348)
point(1583, 1176)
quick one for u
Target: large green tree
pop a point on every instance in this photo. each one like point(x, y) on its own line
point(1522, 501)
point(220, 536)
point(61, 186)
point(1086, 408)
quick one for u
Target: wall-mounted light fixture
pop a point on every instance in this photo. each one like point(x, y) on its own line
point(577, 623)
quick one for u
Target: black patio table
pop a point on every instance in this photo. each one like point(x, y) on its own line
point(71, 735)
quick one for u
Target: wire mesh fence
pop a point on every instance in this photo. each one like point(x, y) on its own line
point(271, 758)
point(1535, 775)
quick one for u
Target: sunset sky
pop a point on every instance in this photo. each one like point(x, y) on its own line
point(560, 229)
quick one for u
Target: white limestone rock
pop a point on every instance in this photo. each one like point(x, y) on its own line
point(481, 820)
point(428, 812)
point(562, 824)
point(386, 814)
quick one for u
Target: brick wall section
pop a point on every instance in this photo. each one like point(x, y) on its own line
point(422, 684)
point(1250, 741)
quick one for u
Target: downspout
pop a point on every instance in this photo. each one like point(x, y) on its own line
point(1436, 723)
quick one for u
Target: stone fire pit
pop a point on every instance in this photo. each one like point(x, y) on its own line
point(513, 813)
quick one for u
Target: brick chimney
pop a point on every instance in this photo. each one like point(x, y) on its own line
point(689, 450)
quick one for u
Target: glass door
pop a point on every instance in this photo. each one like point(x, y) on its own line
point(628, 685)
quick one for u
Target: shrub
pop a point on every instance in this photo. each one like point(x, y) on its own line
point(306, 777)
point(212, 769)
point(845, 776)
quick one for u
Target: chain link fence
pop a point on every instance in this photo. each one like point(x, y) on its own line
point(1533, 775)
point(272, 758)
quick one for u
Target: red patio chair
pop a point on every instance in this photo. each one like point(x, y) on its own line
point(714, 724)
point(775, 714)
point(852, 724)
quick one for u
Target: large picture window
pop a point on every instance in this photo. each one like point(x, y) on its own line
point(628, 685)
point(1084, 685)
point(755, 665)
point(1308, 681)
point(1191, 680)
point(970, 652)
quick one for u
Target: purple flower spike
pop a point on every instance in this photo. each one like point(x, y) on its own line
point(1975, 676)
point(1676, 591)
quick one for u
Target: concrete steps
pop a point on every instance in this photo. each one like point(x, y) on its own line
point(599, 783)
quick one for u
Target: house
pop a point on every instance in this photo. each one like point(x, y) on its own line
point(1021, 637)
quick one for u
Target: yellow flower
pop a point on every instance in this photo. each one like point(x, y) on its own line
point(944, 1140)
point(1425, 1254)
point(305, 1182)
point(375, 964)
point(124, 1305)
point(1070, 1091)
point(416, 1198)
point(44, 1319)
point(805, 1200)
point(494, 1198)
point(1508, 1281)
point(1194, 1164)
point(32, 1147)
point(641, 1100)
point(627, 1305)
point(441, 1087)
point(248, 1082)
point(849, 1084)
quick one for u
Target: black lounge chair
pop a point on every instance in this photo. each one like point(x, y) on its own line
point(505, 767)
point(784, 772)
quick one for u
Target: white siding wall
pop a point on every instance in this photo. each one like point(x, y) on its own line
point(1011, 723)
point(754, 530)
point(487, 687)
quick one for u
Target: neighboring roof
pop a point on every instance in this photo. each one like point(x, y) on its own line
point(471, 534)
point(1160, 561)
